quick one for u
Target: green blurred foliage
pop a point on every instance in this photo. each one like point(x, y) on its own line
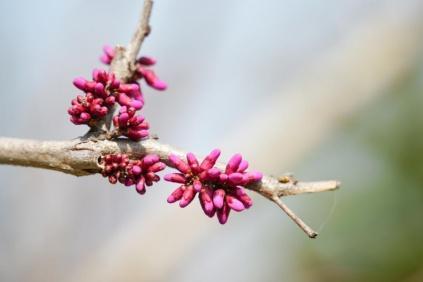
point(377, 232)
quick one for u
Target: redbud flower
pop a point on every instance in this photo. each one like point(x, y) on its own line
point(130, 125)
point(130, 95)
point(98, 98)
point(86, 109)
point(230, 193)
point(140, 173)
point(100, 95)
point(102, 85)
point(151, 78)
point(108, 54)
point(142, 68)
point(219, 192)
point(192, 176)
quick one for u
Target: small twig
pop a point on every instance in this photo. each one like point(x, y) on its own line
point(123, 64)
point(298, 187)
point(307, 229)
point(141, 32)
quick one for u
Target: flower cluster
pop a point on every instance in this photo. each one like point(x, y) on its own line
point(104, 91)
point(218, 191)
point(142, 70)
point(130, 125)
point(140, 172)
point(98, 98)
point(101, 94)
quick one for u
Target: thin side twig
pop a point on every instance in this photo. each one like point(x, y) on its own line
point(141, 32)
point(123, 64)
point(307, 229)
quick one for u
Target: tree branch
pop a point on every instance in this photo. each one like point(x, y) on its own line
point(80, 157)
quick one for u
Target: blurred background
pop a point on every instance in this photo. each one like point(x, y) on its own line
point(325, 89)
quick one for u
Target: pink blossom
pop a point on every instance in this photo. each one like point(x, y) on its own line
point(141, 172)
point(108, 54)
point(218, 191)
point(86, 109)
point(101, 93)
point(142, 65)
point(151, 78)
point(135, 127)
point(130, 95)
point(103, 83)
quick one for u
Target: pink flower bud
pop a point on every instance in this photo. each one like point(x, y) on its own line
point(99, 89)
point(137, 135)
point(235, 178)
point(175, 177)
point(124, 100)
point(128, 182)
point(129, 88)
point(177, 163)
point(136, 104)
point(234, 203)
point(90, 86)
point(152, 79)
point(243, 197)
point(233, 164)
point(223, 214)
point(206, 201)
point(146, 61)
point(136, 170)
point(105, 59)
point(210, 160)
point(137, 95)
point(110, 101)
point(140, 187)
point(159, 85)
point(218, 198)
point(80, 83)
point(157, 167)
point(115, 84)
point(85, 117)
point(109, 51)
point(223, 177)
point(176, 195)
point(123, 118)
point(213, 173)
point(192, 161)
point(197, 185)
point(96, 74)
point(243, 166)
point(150, 159)
point(151, 177)
point(112, 179)
point(251, 177)
point(187, 197)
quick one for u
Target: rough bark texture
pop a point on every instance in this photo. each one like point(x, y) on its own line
point(80, 157)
